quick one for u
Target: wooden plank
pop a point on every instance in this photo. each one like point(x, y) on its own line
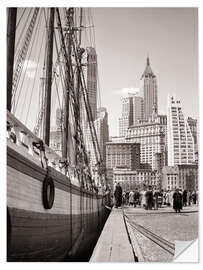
point(113, 244)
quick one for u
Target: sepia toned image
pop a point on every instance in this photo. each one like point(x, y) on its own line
point(102, 134)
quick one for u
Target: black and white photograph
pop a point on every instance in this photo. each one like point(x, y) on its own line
point(102, 134)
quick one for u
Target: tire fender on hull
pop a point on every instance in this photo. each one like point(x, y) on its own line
point(48, 192)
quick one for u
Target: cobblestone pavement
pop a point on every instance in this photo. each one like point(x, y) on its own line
point(167, 224)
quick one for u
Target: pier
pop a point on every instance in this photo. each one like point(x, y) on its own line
point(138, 235)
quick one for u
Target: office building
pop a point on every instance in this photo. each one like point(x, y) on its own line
point(152, 139)
point(132, 112)
point(92, 80)
point(181, 148)
point(149, 88)
point(124, 154)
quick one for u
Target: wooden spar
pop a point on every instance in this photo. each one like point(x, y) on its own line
point(11, 30)
point(68, 85)
point(78, 82)
point(48, 78)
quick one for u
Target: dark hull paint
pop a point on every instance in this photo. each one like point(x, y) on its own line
point(40, 237)
point(43, 236)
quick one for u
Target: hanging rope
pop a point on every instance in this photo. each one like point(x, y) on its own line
point(21, 34)
point(35, 75)
point(21, 88)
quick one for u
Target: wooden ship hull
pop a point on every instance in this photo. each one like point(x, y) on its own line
point(54, 209)
point(66, 231)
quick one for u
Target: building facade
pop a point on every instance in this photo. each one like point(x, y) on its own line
point(132, 112)
point(123, 155)
point(193, 127)
point(170, 178)
point(149, 85)
point(138, 109)
point(92, 80)
point(188, 176)
point(102, 132)
point(131, 179)
point(152, 139)
point(126, 118)
point(181, 148)
point(180, 176)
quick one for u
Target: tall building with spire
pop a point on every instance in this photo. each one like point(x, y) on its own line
point(180, 139)
point(149, 91)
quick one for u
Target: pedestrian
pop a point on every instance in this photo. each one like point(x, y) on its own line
point(168, 198)
point(160, 198)
point(123, 198)
point(155, 198)
point(127, 197)
point(171, 197)
point(177, 200)
point(185, 197)
point(118, 195)
point(189, 198)
point(164, 197)
point(131, 198)
point(194, 197)
point(136, 197)
point(149, 198)
point(143, 198)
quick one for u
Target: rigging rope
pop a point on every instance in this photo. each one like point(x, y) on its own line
point(22, 54)
point(21, 33)
point(21, 82)
point(40, 51)
point(17, 24)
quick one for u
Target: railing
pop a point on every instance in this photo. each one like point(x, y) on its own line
point(19, 134)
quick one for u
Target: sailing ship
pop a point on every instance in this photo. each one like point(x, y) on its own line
point(55, 208)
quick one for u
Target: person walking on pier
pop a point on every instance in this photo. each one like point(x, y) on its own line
point(194, 197)
point(155, 198)
point(189, 198)
point(136, 197)
point(185, 197)
point(118, 195)
point(149, 198)
point(143, 198)
point(177, 201)
point(131, 198)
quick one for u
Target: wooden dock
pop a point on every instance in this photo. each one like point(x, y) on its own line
point(114, 244)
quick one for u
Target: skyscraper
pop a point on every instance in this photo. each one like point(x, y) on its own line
point(102, 132)
point(138, 109)
point(92, 80)
point(151, 136)
point(126, 118)
point(149, 90)
point(180, 139)
point(132, 112)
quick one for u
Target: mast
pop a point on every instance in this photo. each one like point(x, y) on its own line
point(78, 81)
point(48, 79)
point(68, 76)
point(10, 52)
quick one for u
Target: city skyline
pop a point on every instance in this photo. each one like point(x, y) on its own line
point(159, 33)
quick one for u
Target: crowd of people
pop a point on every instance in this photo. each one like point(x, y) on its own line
point(152, 198)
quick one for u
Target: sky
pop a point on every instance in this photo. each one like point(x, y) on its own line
point(125, 36)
